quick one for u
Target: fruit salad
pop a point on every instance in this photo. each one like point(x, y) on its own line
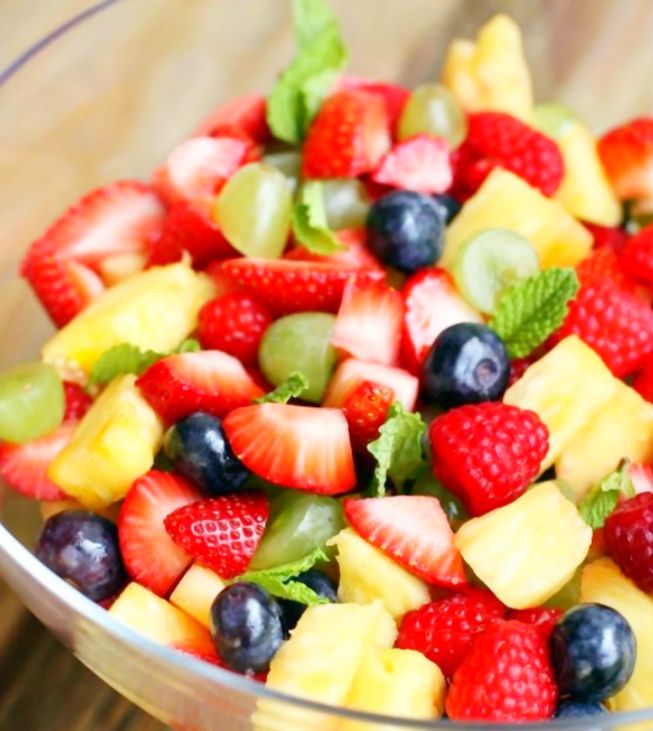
point(354, 396)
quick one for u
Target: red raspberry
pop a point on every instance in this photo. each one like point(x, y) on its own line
point(366, 410)
point(78, 402)
point(629, 539)
point(637, 256)
point(604, 264)
point(507, 676)
point(544, 618)
point(605, 236)
point(444, 630)
point(495, 140)
point(643, 382)
point(234, 323)
point(488, 453)
point(518, 367)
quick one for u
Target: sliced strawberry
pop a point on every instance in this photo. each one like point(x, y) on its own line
point(151, 557)
point(240, 117)
point(420, 163)
point(78, 402)
point(348, 137)
point(368, 325)
point(432, 304)
point(221, 281)
point(287, 286)
point(210, 381)
point(356, 255)
point(414, 531)
point(298, 447)
point(641, 475)
point(24, 467)
point(393, 95)
point(366, 409)
point(627, 156)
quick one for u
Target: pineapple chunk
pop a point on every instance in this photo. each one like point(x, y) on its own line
point(598, 448)
point(398, 683)
point(154, 310)
point(491, 74)
point(52, 507)
point(603, 583)
point(567, 389)
point(113, 444)
point(528, 550)
point(367, 574)
point(196, 592)
point(506, 201)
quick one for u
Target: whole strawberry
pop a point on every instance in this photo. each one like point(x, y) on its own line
point(637, 256)
point(629, 538)
point(627, 156)
point(366, 410)
point(507, 676)
point(487, 453)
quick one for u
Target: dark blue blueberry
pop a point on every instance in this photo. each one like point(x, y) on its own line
point(448, 205)
point(247, 627)
point(405, 230)
point(321, 584)
point(467, 364)
point(199, 450)
point(593, 650)
point(82, 548)
point(576, 709)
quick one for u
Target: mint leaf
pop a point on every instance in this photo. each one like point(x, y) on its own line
point(398, 449)
point(320, 56)
point(294, 386)
point(602, 499)
point(309, 221)
point(531, 310)
point(188, 346)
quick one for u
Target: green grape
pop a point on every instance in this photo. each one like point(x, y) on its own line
point(569, 595)
point(346, 203)
point(553, 119)
point(289, 163)
point(488, 263)
point(427, 484)
point(298, 524)
point(433, 109)
point(300, 342)
point(32, 402)
point(253, 211)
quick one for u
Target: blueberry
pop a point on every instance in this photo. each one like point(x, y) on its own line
point(199, 450)
point(405, 230)
point(247, 627)
point(321, 584)
point(593, 651)
point(467, 364)
point(576, 709)
point(448, 205)
point(82, 548)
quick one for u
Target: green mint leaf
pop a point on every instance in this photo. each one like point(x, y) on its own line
point(602, 499)
point(188, 346)
point(320, 56)
point(294, 386)
point(531, 310)
point(398, 449)
point(310, 223)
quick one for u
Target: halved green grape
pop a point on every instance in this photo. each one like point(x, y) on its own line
point(427, 484)
point(253, 211)
point(433, 109)
point(488, 263)
point(298, 524)
point(346, 203)
point(553, 119)
point(300, 342)
point(32, 402)
point(289, 163)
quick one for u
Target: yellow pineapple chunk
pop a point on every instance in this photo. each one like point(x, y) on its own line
point(623, 428)
point(491, 73)
point(395, 682)
point(528, 550)
point(506, 201)
point(52, 507)
point(196, 592)
point(367, 574)
point(114, 443)
point(567, 389)
point(154, 310)
point(604, 583)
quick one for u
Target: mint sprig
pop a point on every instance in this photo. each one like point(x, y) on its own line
point(602, 499)
point(533, 309)
point(293, 387)
point(309, 221)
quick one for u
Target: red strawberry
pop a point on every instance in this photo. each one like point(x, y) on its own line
point(507, 676)
point(78, 402)
point(496, 139)
point(627, 156)
point(393, 95)
point(298, 447)
point(366, 409)
point(420, 163)
point(414, 531)
point(444, 630)
point(604, 236)
point(487, 453)
point(641, 475)
point(24, 467)
point(629, 539)
point(601, 264)
point(637, 256)
point(234, 323)
point(356, 255)
point(368, 325)
point(150, 556)
point(432, 304)
point(209, 381)
point(543, 618)
point(243, 116)
point(348, 137)
point(221, 281)
point(222, 532)
point(201, 648)
point(287, 286)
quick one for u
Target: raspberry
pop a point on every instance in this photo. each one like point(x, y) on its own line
point(444, 630)
point(495, 140)
point(78, 402)
point(637, 256)
point(643, 382)
point(366, 409)
point(629, 539)
point(543, 618)
point(234, 323)
point(488, 453)
point(507, 676)
point(518, 367)
point(604, 264)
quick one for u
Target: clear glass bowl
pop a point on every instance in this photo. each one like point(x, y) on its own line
point(107, 96)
